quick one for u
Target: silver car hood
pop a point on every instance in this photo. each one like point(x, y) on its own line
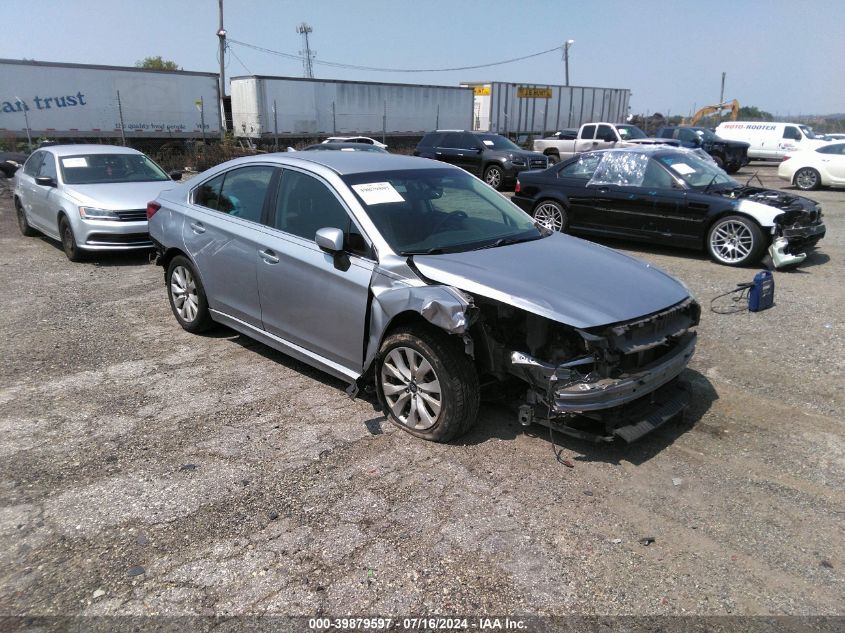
point(559, 277)
point(118, 195)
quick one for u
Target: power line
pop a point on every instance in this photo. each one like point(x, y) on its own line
point(392, 70)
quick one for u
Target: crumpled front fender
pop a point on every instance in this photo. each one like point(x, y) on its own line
point(442, 306)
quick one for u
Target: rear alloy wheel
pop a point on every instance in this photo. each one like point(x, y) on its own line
point(427, 383)
point(807, 179)
point(735, 241)
point(494, 177)
point(69, 245)
point(187, 296)
point(23, 223)
point(551, 215)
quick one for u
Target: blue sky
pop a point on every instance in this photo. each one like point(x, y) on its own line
point(783, 56)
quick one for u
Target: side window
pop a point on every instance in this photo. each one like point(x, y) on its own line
point(832, 149)
point(32, 164)
point(655, 176)
point(687, 136)
point(432, 139)
point(605, 132)
point(304, 205)
point(588, 132)
point(451, 140)
point(582, 168)
point(244, 191)
point(792, 133)
point(468, 141)
point(48, 167)
point(208, 193)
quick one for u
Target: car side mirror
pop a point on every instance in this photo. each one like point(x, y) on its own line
point(175, 175)
point(330, 240)
point(45, 181)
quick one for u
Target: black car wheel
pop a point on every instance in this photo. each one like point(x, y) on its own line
point(71, 249)
point(554, 159)
point(735, 241)
point(494, 177)
point(807, 179)
point(718, 160)
point(23, 223)
point(551, 214)
point(427, 383)
point(187, 296)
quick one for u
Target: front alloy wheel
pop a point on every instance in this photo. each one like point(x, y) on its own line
point(494, 177)
point(550, 215)
point(427, 383)
point(734, 241)
point(411, 388)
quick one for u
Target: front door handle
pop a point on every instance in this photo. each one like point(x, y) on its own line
point(197, 227)
point(269, 256)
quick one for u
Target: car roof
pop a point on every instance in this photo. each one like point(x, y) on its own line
point(650, 150)
point(336, 145)
point(88, 148)
point(346, 163)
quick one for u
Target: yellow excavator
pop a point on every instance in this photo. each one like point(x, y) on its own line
point(712, 109)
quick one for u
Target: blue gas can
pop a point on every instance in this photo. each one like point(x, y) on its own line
point(762, 292)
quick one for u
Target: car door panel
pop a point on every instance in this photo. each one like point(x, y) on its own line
point(314, 299)
point(309, 297)
point(222, 232)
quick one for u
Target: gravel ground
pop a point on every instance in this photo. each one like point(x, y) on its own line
point(149, 471)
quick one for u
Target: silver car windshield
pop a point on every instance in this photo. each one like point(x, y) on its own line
point(90, 169)
point(439, 211)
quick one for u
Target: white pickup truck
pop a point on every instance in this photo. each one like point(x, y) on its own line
point(595, 136)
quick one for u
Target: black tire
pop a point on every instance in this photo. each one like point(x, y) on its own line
point(554, 159)
point(720, 163)
point(69, 245)
point(194, 319)
point(23, 223)
point(807, 179)
point(551, 214)
point(495, 177)
point(452, 371)
point(733, 169)
point(734, 240)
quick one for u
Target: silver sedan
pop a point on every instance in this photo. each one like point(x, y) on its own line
point(90, 197)
point(417, 280)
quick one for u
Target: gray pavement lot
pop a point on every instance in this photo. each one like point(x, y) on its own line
point(244, 482)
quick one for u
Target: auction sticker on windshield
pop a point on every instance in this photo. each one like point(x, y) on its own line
point(683, 168)
point(378, 193)
point(74, 162)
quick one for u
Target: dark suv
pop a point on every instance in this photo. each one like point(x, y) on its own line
point(729, 155)
point(491, 156)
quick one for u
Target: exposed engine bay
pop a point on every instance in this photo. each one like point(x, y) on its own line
point(795, 230)
point(609, 375)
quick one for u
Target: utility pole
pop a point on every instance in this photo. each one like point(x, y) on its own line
point(721, 99)
point(303, 29)
point(120, 113)
point(26, 120)
point(221, 34)
point(202, 119)
point(275, 128)
point(566, 58)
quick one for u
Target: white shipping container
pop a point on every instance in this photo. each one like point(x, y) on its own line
point(291, 106)
point(540, 109)
point(81, 101)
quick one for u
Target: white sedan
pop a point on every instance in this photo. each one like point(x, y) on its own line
point(812, 168)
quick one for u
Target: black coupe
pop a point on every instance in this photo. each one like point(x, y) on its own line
point(670, 196)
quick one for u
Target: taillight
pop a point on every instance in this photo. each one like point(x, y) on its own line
point(786, 158)
point(152, 207)
point(517, 188)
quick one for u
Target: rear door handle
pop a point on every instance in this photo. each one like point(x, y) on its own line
point(197, 227)
point(269, 256)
